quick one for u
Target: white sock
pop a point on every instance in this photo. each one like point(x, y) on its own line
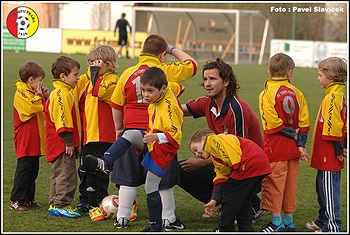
point(168, 202)
point(127, 197)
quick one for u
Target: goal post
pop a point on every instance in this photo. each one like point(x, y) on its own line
point(237, 36)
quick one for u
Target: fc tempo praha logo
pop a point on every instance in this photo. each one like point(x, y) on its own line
point(22, 22)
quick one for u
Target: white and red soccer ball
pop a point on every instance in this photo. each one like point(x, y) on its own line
point(109, 206)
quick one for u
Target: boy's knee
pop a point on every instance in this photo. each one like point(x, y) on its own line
point(134, 137)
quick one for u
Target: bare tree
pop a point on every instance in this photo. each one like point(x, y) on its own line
point(100, 16)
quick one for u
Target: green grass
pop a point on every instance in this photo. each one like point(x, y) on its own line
point(250, 77)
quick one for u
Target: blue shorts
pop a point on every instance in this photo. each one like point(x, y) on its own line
point(128, 171)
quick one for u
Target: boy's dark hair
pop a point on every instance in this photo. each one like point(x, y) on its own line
point(198, 135)
point(280, 64)
point(63, 64)
point(155, 77)
point(225, 72)
point(30, 69)
point(154, 44)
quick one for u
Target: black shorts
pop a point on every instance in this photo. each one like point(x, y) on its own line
point(128, 171)
point(123, 39)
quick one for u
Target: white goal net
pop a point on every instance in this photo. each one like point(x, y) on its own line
point(237, 36)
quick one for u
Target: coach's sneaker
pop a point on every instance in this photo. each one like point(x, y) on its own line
point(271, 228)
point(95, 214)
point(122, 222)
point(33, 205)
point(312, 225)
point(177, 224)
point(18, 206)
point(97, 165)
point(133, 211)
point(290, 227)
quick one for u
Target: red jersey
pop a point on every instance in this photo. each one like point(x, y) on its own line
point(235, 157)
point(28, 120)
point(127, 95)
point(330, 126)
point(61, 115)
point(236, 117)
point(282, 105)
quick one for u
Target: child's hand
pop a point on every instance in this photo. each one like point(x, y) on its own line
point(149, 138)
point(209, 208)
point(303, 154)
point(345, 154)
point(70, 150)
point(97, 63)
point(46, 92)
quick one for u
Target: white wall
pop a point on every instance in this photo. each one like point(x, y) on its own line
point(77, 15)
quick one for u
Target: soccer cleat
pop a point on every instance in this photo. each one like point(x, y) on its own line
point(122, 222)
point(52, 210)
point(97, 165)
point(318, 231)
point(216, 213)
point(133, 211)
point(95, 214)
point(177, 224)
point(18, 206)
point(34, 205)
point(82, 208)
point(312, 225)
point(258, 215)
point(63, 212)
point(290, 227)
point(271, 228)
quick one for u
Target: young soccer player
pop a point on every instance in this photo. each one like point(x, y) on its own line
point(285, 121)
point(62, 136)
point(239, 165)
point(163, 138)
point(329, 144)
point(94, 91)
point(130, 113)
point(29, 139)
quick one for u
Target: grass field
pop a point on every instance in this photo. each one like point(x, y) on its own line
point(251, 79)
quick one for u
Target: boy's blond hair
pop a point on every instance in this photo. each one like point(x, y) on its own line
point(107, 54)
point(334, 68)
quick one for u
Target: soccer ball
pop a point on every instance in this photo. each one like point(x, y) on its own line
point(109, 206)
point(22, 23)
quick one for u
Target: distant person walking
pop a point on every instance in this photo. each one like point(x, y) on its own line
point(121, 24)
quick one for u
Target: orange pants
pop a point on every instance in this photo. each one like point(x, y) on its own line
point(279, 189)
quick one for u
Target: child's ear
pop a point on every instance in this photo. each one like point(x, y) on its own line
point(62, 76)
point(163, 88)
